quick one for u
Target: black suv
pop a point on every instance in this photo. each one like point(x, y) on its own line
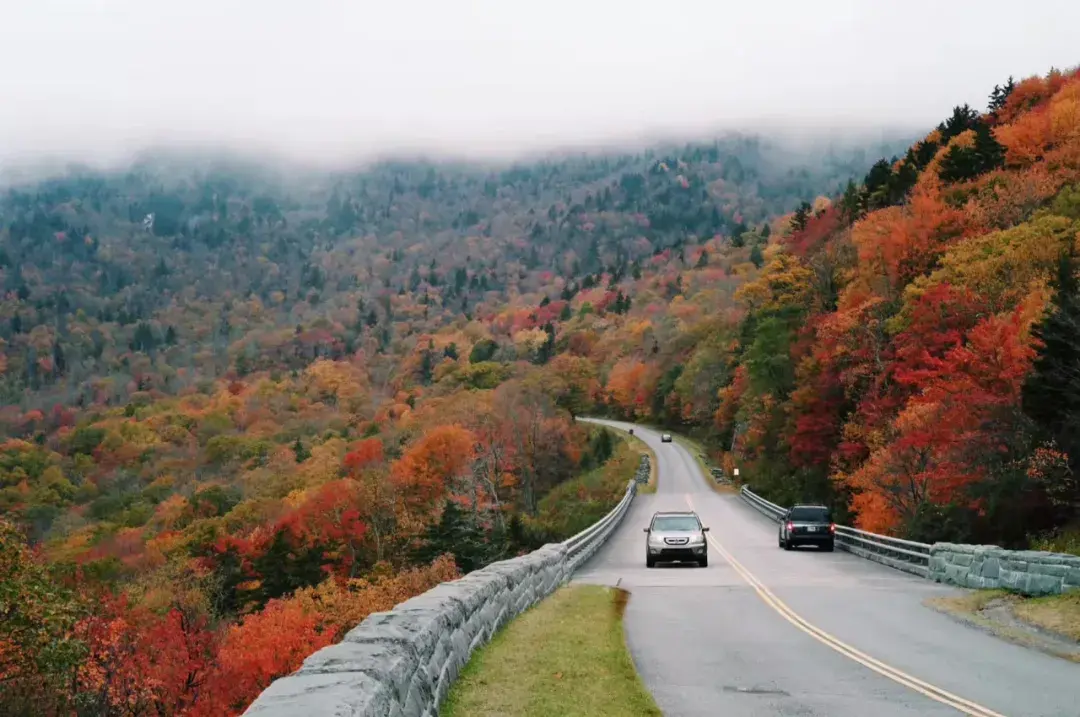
point(807, 525)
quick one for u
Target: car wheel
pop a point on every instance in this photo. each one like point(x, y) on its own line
point(650, 563)
point(704, 562)
point(780, 541)
point(828, 548)
point(788, 545)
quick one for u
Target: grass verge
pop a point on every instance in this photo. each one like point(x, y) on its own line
point(643, 449)
point(1065, 541)
point(699, 454)
point(1049, 624)
point(566, 656)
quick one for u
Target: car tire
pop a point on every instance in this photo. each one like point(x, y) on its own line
point(650, 563)
point(788, 545)
point(704, 562)
point(779, 542)
point(828, 547)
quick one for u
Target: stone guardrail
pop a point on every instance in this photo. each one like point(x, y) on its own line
point(401, 663)
point(1028, 572)
point(906, 555)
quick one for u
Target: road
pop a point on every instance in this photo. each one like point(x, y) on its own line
point(817, 636)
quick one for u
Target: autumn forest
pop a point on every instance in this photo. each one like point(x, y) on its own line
point(243, 407)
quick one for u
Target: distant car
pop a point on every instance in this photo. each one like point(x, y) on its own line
point(631, 431)
point(676, 536)
point(665, 438)
point(807, 525)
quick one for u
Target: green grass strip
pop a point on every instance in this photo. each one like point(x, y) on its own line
point(567, 656)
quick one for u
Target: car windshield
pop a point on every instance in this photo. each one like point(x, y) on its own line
point(810, 515)
point(675, 522)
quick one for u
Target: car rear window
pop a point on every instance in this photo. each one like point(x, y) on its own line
point(675, 522)
point(820, 515)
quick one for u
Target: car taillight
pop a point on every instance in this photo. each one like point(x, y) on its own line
point(832, 527)
point(790, 526)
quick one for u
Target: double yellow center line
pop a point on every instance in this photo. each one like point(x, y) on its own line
point(934, 693)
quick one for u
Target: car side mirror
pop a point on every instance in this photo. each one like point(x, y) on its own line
point(646, 530)
point(704, 530)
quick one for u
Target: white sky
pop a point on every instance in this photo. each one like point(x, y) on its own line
point(340, 78)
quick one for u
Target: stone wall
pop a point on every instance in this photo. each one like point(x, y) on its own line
point(644, 470)
point(401, 663)
point(1027, 572)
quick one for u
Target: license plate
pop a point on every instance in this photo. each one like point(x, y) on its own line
point(812, 528)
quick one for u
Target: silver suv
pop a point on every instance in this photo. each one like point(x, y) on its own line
point(676, 536)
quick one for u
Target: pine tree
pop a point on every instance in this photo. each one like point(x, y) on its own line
point(1051, 395)
point(851, 203)
point(1000, 95)
point(756, 257)
point(300, 451)
point(458, 534)
point(961, 163)
point(802, 216)
point(427, 363)
point(59, 362)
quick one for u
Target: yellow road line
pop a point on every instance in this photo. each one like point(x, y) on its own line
point(934, 693)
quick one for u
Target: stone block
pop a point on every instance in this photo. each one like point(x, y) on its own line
point(1072, 577)
point(1012, 580)
point(419, 627)
point(963, 559)
point(392, 664)
point(1042, 585)
point(955, 574)
point(1057, 571)
point(420, 696)
point(991, 568)
point(329, 694)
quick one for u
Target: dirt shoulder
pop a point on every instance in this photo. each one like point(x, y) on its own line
point(1049, 624)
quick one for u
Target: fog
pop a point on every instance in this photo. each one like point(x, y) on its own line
point(339, 80)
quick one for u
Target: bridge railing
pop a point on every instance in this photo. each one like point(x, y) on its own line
point(581, 546)
point(907, 555)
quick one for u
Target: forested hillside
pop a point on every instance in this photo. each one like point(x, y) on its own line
point(909, 351)
point(242, 409)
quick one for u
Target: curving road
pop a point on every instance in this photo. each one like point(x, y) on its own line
point(762, 631)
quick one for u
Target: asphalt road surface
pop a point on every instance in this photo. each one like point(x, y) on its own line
point(762, 631)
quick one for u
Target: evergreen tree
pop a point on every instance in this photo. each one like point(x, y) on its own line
point(1051, 395)
point(300, 451)
point(962, 119)
point(59, 362)
point(427, 363)
point(756, 257)
point(850, 203)
point(961, 163)
point(458, 534)
point(802, 216)
point(1000, 95)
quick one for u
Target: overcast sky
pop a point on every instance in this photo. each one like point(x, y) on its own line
point(340, 78)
